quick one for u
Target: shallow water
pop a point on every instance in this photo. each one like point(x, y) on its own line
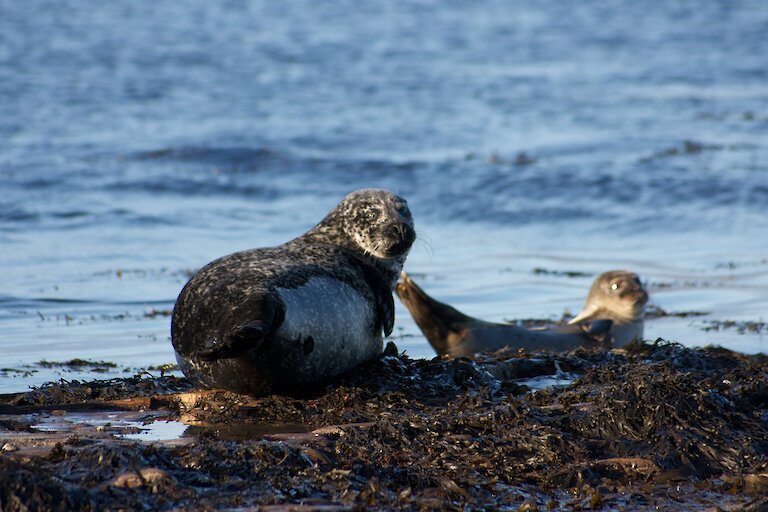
point(138, 147)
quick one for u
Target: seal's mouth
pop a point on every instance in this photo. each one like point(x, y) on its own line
point(633, 305)
point(638, 297)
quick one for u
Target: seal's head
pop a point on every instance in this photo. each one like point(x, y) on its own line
point(379, 222)
point(616, 295)
point(376, 222)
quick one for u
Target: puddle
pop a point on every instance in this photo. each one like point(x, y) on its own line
point(159, 431)
point(116, 423)
point(149, 427)
point(545, 381)
point(166, 430)
point(241, 430)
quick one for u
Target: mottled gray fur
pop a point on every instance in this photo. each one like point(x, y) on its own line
point(231, 327)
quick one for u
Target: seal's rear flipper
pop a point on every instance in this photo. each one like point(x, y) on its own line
point(241, 339)
point(439, 322)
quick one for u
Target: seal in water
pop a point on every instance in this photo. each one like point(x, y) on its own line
point(290, 317)
point(615, 305)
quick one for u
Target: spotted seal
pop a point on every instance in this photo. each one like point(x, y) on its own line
point(615, 306)
point(288, 318)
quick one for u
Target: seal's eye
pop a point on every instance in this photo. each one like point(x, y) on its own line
point(371, 214)
point(615, 286)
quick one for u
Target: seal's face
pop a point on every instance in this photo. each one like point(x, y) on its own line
point(626, 292)
point(617, 295)
point(379, 222)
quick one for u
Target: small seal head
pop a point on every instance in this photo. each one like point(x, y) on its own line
point(615, 295)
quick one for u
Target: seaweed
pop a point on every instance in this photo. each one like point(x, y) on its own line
point(651, 425)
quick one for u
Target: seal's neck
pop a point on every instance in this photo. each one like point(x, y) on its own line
point(388, 268)
point(329, 231)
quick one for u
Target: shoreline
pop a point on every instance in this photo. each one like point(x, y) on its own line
point(653, 425)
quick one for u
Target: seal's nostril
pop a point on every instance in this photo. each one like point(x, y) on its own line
point(403, 233)
point(408, 232)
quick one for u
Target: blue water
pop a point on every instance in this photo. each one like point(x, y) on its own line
point(140, 140)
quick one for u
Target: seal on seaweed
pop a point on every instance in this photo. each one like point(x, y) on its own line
point(615, 306)
point(290, 317)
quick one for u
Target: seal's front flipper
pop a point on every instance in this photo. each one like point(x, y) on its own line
point(599, 327)
point(385, 303)
point(599, 331)
point(241, 339)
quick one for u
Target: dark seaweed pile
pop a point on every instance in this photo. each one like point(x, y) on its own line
point(654, 425)
point(73, 392)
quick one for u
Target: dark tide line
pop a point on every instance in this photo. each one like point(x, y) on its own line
point(16, 219)
point(12, 303)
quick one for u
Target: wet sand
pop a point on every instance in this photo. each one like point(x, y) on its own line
point(657, 425)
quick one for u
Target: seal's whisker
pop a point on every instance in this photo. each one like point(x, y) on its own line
point(426, 241)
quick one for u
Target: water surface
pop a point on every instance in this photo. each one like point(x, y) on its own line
point(139, 144)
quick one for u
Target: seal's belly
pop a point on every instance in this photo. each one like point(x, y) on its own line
point(329, 328)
